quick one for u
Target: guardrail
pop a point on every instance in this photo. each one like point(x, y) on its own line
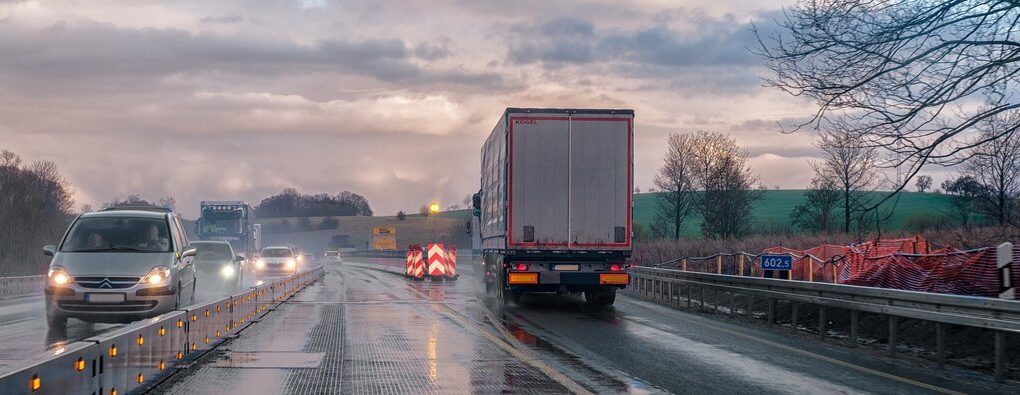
point(374, 254)
point(12, 287)
point(674, 288)
point(140, 355)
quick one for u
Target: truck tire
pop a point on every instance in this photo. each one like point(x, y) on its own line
point(600, 298)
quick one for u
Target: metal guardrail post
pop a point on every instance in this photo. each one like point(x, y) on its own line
point(772, 312)
point(750, 307)
point(940, 344)
point(822, 322)
point(794, 310)
point(1000, 355)
point(855, 317)
point(894, 325)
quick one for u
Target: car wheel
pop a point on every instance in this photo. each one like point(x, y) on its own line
point(177, 298)
point(56, 321)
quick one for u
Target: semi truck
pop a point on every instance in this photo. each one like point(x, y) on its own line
point(230, 221)
point(555, 203)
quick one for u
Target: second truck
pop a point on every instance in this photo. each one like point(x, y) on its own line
point(555, 203)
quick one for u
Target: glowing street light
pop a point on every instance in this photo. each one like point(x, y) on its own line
point(433, 209)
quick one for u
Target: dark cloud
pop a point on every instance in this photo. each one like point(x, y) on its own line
point(92, 52)
point(705, 41)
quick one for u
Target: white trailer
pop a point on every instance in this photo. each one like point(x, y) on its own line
point(555, 202)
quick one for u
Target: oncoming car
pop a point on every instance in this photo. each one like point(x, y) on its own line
point(331, 256)
point(120, 265)
point(217, 262)
point(276, 261)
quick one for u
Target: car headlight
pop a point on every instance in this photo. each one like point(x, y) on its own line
point(260, 264)
point(227, 271)
point(159, 275)
point(291, 264)
point(300, 258)
point(58, 276)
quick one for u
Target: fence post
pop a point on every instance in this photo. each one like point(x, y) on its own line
point(683, 264)
point(718, 264)
point(740, 263)
point(810, 270)
point(1004, 261)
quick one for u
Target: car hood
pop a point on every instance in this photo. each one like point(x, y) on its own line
point(211, 264)
point(111, 263)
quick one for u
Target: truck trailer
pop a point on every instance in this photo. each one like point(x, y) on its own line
point(555, 203)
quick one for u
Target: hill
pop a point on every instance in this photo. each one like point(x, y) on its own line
point(773, 210)
point(449, 227)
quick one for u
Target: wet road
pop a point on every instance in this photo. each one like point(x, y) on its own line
point(23, 328)
point(363, 329)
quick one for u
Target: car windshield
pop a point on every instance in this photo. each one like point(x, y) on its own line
point(276, 253)
point(213, 251)
point(118, 234)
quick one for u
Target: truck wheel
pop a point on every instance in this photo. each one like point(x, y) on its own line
point(600, 298)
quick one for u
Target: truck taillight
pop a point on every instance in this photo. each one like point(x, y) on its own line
point(616, 268)
point(521, 267)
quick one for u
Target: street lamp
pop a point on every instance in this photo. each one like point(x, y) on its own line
point(433, 210)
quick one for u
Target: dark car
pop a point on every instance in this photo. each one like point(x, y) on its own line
point(217, 262)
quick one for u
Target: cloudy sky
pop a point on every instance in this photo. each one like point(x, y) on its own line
point(240, 99)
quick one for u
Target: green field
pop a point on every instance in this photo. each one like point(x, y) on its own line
point(773, 210)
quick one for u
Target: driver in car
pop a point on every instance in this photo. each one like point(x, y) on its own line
point(153, 241)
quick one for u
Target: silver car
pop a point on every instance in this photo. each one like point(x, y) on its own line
point(120, 265)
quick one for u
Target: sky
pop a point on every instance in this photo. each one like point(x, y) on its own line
point(229, 100)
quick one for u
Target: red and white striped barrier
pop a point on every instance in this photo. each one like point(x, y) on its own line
point(415, 267)
point(451, 261)
point(436, 260)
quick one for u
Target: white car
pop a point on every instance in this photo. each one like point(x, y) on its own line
point(278, 261)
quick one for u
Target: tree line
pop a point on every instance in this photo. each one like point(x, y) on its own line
point(36, 205)
point(290, 203)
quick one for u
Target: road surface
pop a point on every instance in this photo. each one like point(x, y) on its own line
point(363, 329)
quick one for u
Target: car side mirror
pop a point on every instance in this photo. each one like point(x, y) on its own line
point(189, 253)
point(238, 258)
point(476, 201)
point(49, 250)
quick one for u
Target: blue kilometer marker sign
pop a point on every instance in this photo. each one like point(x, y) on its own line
point(776, 262)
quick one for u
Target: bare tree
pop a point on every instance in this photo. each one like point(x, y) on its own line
point(723, 175)
point(168, 202)
point(923, 183)
point(850, 164)
point(996, 166)
point(818, 212)
point(676, 181)
point(900, 74)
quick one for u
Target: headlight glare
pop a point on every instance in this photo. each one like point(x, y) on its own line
point(159, 275)
point(291, 264)
point(260, 264)
point(227, 271)
point(58, 276)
